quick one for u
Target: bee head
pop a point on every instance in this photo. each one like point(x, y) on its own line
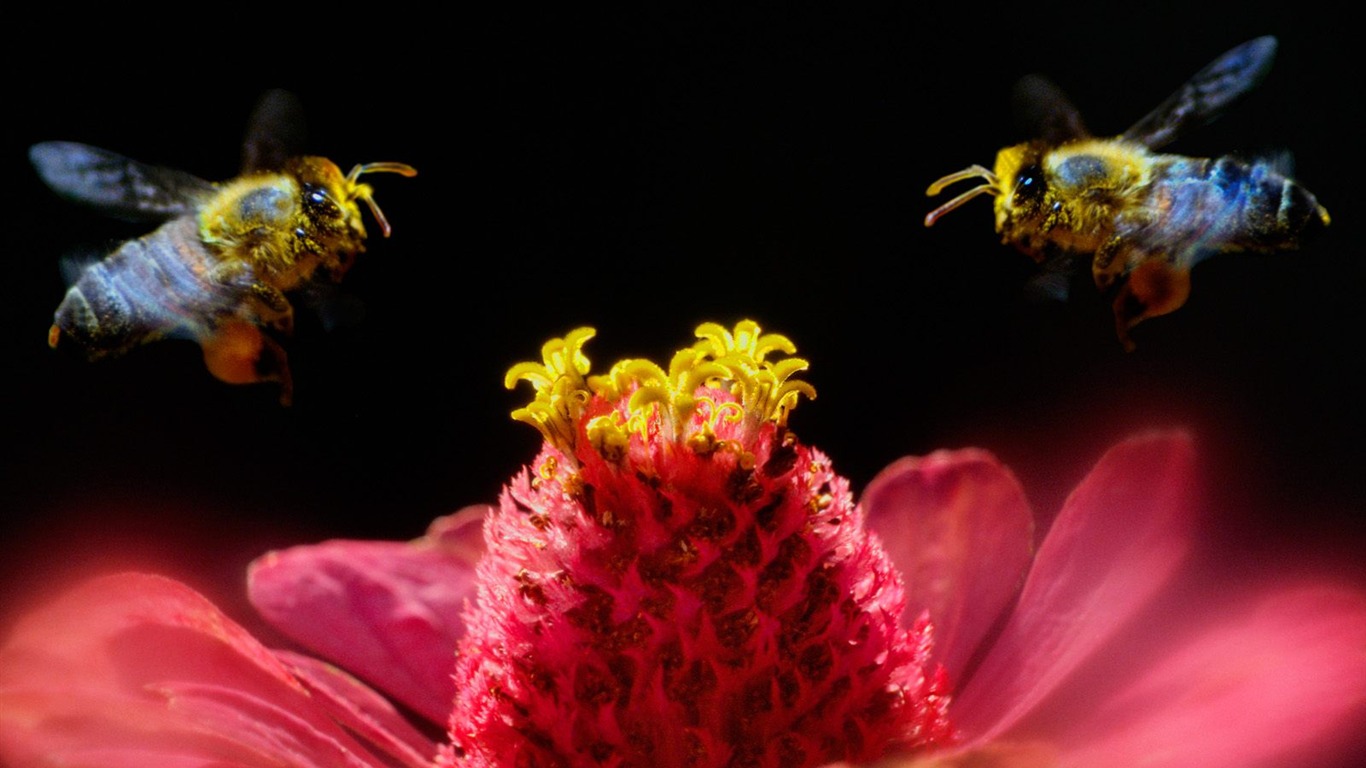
point(329, 198)
point(1024, 185)
point(1018, 184)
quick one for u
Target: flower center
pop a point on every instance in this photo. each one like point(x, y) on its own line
point(725, 378)
point(677, 581)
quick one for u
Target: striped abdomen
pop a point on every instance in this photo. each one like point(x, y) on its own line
point(151, 287)
point(1226, 204)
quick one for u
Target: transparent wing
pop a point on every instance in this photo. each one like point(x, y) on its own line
point(1282, 161)
point(275, 132)
point(1206, 95)
point(1043, 111)
point(75, 261)
point(335, 308)
point(1055, 277)
point(115, 184)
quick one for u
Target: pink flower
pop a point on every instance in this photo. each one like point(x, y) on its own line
point(676, 580)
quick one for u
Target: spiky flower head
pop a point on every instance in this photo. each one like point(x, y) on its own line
point(677, 581)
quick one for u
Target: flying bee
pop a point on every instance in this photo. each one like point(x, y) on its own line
point(1142, 219)
point(218, 269)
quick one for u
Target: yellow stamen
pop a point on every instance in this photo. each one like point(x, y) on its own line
point(561, 391)
point(733, 361)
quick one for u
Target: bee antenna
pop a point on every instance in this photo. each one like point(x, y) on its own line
point(933, 216)
point(991, 187)
point(364, 192)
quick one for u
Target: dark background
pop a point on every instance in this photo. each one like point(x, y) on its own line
point(642, 175)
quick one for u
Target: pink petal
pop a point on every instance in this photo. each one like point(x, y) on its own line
point(1282, 683)
point(390, 612)
point(958, 527)
point(365, 712)
point(1118, 538)
point(133, 670)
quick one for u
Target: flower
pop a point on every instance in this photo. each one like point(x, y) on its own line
point(1107, 651)
point(675, 555)
point(677, 580)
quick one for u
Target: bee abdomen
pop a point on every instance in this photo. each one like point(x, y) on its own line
point(1273, 211)
point(149, 288)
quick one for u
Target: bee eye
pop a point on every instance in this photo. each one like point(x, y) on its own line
point(1029, 184)
point(319, 203)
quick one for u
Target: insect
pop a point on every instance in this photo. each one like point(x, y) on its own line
point(218, 269)
point(1141, 218)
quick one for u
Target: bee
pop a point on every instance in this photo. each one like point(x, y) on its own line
point(217, 270)
point(1141, 218)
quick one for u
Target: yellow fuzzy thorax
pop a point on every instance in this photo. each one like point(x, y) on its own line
point(1086, 185)
point(254, 219)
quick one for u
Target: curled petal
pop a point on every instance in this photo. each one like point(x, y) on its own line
point(388, 611)
point(1118, 539)
point(136, 670)
point(958, 527)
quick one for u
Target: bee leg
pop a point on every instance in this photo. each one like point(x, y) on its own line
point(237, 352)
point(1106, 266)
point(276, 310)
point(1155, 287)
point(269, 303)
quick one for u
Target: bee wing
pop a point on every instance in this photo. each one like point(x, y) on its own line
point(75, 261)
point(1053, 281)
point(115, 184)
point(335, 308)
point(1206, 95)
point(1281, 161)
point(275, 132)
point(1044, 111)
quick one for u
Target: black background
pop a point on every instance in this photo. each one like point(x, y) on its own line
point(642, 174)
